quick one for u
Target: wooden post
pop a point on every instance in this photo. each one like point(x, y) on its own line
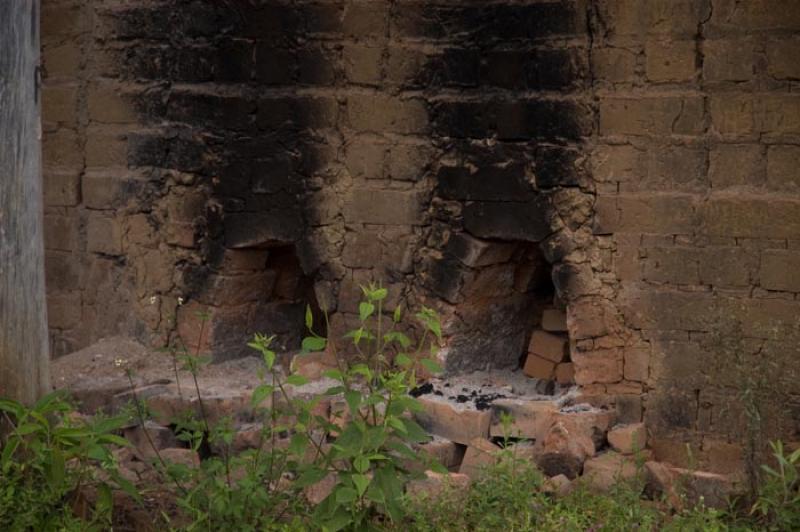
point(24, 353)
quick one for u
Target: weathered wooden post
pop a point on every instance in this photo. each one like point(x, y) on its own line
point(24, 353)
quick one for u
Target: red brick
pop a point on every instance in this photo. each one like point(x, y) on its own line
point(538, 367)
point(549, 346)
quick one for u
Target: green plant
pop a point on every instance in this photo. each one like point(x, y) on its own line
point(51, 460)
point(365, 456)
point(778, 499)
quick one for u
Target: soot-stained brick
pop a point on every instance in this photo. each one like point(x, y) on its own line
point(496, 182)
point(528, 222)
point(557, 166)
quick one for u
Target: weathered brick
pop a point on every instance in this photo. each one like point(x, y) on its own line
point(671, 61)
point(779, 114)
point(753, 218)
point(530, 419)
point(675, 265)
point(660, 214)
point(108, 104)
point(674, 168)
point(408, 162)
point(727, 267)
point(363, 18)
point(224, 290)
point(730, 16)
point(62, 271)
point(636, 363)
point(61, 150)
point(554, 320)
point(253, 229)
point(601, 366)
point(61, 188)
point(780, 270)
point(60, 104)
point(103, 235)
point(317, 66)
point(783, 168)
point(618, 163)
point(538, 367)
point(508, 220)
point(387, 114)
point(628, 439)
point(104, 191)
point(106, 148)
point(60, 232)
point(782, 59)
point(63, 309)
point(615, 65)
point(736, 165)
point(550, 346)
point(457, 423)
point(366, 159)
point(363, 64)
point(481, 454)
point(733, 114)
point(384, 207)
point(732, 60)
point(651, 116)
point(565, 373)
point(61, 61)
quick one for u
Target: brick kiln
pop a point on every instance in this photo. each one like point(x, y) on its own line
point(616, 176)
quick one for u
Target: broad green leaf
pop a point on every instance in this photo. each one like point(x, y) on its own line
point(361, 369)
point(403, 360)
point(361, 482)
point(397, 315)
point(296, 380)
point(313, 343)
point(353, 398)
point(333, 374)
point(260, 393)
point(310, 476)
point(365, 310)
point(431, 365)
point(378, 294)
point(361, 464)
point(345, 494)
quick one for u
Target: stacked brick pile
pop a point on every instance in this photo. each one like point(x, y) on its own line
point(548, 351)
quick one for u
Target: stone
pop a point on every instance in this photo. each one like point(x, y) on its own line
point(481, 453)
point(449, 454)
point(186, 457)
point(538, 367)
point(563, 451)
point(557, 485)
point(434, 484)
point(316, 493)
point(529, 419)
point(604, 471)
point(157, 436)
point(457, 423)
point(685, 486)
point(554, 320)
point(628, 439)
point(312, 365)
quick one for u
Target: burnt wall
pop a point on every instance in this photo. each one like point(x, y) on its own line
point(632, 162)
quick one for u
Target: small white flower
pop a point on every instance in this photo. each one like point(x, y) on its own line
point(180, 301)
point(119, 362)
point(153, 300)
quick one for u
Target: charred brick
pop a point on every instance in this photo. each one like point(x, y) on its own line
point(508, 220)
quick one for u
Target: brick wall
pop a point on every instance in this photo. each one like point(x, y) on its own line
point(631, 161)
